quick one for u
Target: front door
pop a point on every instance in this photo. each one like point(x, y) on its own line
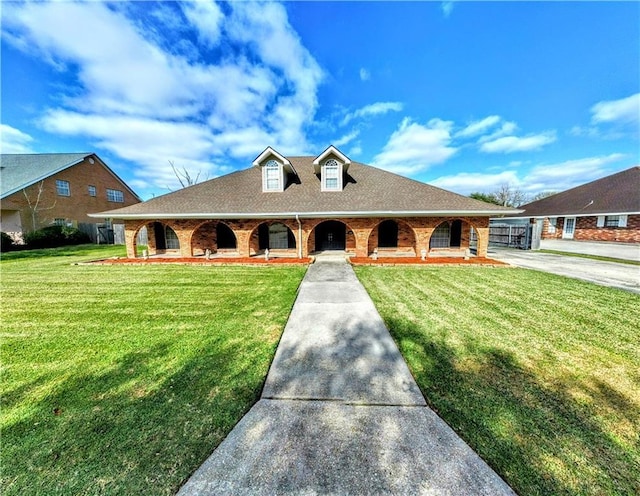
point(331, 235)
point(569, 227)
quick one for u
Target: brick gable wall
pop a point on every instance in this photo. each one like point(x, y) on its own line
point(73, 208)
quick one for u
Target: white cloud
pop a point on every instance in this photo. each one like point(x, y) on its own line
point(207, 17)
point(466, 183)
point(506, 129)
point(479, 127)
point(543, 177)
point(365, 75)
point(137, 95)
point(510, 144)
point(447, 7)
point(564, 175)
point(355, 151)
point(625, 110)
point(371, 110)
point(414, 147)
point(347, 138)
point(13, 140)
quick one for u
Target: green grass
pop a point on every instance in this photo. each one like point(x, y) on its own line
point(538, 373)
point(592, 257)
point(123, 379)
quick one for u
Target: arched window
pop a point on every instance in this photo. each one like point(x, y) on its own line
point(441, 236)
point(272, 176)
point(172, 242)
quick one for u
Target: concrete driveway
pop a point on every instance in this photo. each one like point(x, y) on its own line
point(615, 275)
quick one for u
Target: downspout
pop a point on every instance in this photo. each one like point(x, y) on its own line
point(299, 236)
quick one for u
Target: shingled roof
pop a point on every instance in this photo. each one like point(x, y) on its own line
point(367, 191)
point(615, 194)
point(21, 170)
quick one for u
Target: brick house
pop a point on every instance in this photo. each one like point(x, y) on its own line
point(57, 188)
point(294, 206)
point(607, 209)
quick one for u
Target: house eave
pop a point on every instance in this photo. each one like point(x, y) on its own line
point(595, 214)
point(301, 215)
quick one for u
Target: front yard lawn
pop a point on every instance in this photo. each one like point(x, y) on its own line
point(123, 379)
point(538, 373)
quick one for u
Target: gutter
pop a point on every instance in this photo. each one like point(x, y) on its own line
point(595, 214)
point(308, 215)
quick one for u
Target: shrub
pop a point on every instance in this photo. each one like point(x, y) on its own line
point(53, 236)
point(6, 243)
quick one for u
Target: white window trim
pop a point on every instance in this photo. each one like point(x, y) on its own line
point(114, 198)
point(280, 187)
point(324, 177)
point(68, 187)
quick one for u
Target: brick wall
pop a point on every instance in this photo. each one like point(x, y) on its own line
point(73, 208)
point(586, 230)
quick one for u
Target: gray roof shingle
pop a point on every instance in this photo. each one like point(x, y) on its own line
point(18, 171)
point(615, 194)
point(367, 191)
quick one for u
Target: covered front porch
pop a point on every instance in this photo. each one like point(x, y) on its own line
point(406, 237)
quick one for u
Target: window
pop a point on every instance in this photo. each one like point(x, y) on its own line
point(59, 222)
point(63, 188)
point(272, 176)
point(331, 175)
point(92, 190)
point(114, 195)
point(611, 221)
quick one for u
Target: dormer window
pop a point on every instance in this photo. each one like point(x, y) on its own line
point(272, 176)
point(331, 166)
point(276, 170)
point(331, 176)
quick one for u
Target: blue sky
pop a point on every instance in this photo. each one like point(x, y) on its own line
point(468, 96)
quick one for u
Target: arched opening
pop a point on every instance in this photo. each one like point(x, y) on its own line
point(330, 235)
point(388, 234)
point(456, 235)
point(275, 236)
point(395, 238)
point(164, 238)
point(212, 236)
point(225, 237)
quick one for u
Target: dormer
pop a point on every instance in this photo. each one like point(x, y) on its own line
point(276, 170)
point(331, 165)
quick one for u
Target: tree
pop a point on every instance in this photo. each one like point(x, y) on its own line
point(34, 205)
point(506, 196)
point(485, 197)
point(184, 177)
point(543, 194)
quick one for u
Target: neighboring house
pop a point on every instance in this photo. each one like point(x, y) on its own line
point(298, 205)
point(42, 189)
point(607, 209)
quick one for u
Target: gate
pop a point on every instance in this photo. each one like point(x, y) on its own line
point(511, 236)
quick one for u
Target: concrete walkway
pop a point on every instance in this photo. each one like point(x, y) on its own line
point(340, 412)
